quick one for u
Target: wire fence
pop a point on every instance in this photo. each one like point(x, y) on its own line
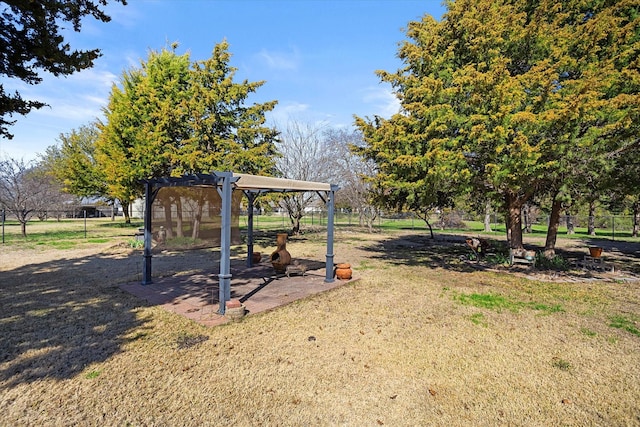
point(86, 224)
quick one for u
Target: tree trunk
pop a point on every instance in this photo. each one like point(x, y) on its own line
point(527, 218)
point(636, 219)
point(552, 230)
point(195, 232)
point(487, 217)
point(168, 220)
point(197, 217)
point(570, 225)
point(591, 226)
point(23, 228)
point(125, 210)
point(430, 229)
point(514, 221)
point(295, 224)
point(179, 232)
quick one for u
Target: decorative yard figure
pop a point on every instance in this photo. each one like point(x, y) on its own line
point(479, 247)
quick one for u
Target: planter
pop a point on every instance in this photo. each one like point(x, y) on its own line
point(234, 310)
point(256, 257)
point(595, 251)
point(343, 271)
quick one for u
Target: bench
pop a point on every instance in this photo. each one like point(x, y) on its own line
point(522, 257)
point(595, 263)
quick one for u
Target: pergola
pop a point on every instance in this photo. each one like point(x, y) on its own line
point(225, 183)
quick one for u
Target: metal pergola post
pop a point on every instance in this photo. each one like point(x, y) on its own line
point(148, 201)
point(225, 191)
point(251, 197)
point(330, 213)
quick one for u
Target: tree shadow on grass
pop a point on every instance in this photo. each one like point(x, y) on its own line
point(58, 317)
point(451, 252)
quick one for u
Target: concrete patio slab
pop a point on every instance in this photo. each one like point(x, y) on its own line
point(259, 288)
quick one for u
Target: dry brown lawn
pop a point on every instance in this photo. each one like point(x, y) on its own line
point(423, 338)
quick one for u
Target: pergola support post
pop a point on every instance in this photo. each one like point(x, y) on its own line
point(330, 213)
point(251, 197)
point(225, 191)
point(148, 201)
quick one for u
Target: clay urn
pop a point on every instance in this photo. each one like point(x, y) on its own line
point(280, 258)
point(343, 271)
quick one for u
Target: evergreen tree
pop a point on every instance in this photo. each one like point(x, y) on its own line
point(31, 40)
point(510, 94)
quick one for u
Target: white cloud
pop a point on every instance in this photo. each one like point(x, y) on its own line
point(383, 100)
point(280, 60)
point(283, 112)
point(93, 78)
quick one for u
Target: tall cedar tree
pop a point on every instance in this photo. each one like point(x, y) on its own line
point(503, 97)
point(169, 118)
point(30, 41)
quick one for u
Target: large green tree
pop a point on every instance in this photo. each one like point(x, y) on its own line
point(505, 95)
point(144, 124)
point(225, 131)
point(31, 41)
point(171, 117)
point(74, 162)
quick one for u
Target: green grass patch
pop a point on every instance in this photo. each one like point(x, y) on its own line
point(497, 302)
point(57, 244)
point(588, 332)
point(479, 319)
point(497, 259)
point(625, 323)
point(104, 240)
point(555, 263)
point(135, 243)
point(366, 265)
point(491, 301)
point(557, 308)
point(93, 374)
point(561, 364)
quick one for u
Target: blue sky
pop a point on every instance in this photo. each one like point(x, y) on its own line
point(318, 58)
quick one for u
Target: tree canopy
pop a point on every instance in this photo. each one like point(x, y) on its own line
point(171, 117)
point(507, 98)
point(31, 41)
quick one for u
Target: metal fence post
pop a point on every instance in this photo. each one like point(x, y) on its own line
point(613, 227)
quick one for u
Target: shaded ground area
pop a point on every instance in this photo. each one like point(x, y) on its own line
point(259, 288)
point(450, 251)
